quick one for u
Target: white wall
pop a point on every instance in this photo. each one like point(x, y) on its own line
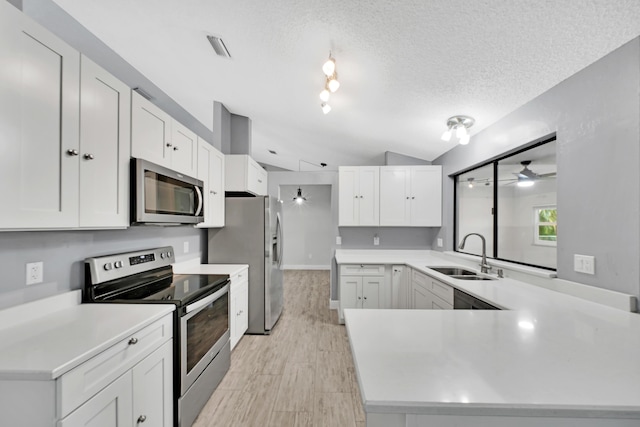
point(308, 232)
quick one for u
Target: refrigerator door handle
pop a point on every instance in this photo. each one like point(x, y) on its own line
point(279, 240)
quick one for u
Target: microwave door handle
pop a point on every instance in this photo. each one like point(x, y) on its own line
point(199, 193)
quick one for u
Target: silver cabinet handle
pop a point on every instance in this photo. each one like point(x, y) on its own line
point(260, 181)
point(175, 148)
point(72, 152)
point(412, 198)
point(365, 298)
point(142, 418)
point(88, 156)
point(359, 297)
point(355, 197)
point(407, 197)
point(169, 144)
point(133, 341)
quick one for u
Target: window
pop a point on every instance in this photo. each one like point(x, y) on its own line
point(546, 225)
point(511, 202)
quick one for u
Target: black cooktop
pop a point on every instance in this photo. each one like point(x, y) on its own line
point(159, 286)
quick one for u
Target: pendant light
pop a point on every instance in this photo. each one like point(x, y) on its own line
point(299, 199)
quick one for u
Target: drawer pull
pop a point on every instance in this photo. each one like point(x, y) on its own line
point(142, 418)
point(133, 341)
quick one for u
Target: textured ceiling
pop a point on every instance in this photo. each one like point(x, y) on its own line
point(405, 66)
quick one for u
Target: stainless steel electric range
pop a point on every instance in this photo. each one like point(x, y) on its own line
point(201, 326)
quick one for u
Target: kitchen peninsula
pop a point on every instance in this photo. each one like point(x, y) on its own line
point(545, 359)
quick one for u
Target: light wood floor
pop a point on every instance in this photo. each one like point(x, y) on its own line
point(301, 375)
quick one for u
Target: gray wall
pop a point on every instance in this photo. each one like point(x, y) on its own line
point(596, 115)
point(308, 232)
point(63, 254)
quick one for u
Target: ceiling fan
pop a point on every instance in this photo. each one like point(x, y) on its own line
point(526, 177)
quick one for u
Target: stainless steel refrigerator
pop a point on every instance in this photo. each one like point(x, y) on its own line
point(253, 235)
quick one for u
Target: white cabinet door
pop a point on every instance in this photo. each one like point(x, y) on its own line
point(373, 292)
point(359, 195)
point(420, 297)
point(242, 311)
point(243, 174)
point(211, 172)
point(150, 132)
point(112, 406)
point(348, 195)
point(153, 389)
point(369, 195)
point(399, 288)
point(105, 131)
point(395, 196)
point(350, 293)
point(426, 196)
point(184, 149)
point(39, 119)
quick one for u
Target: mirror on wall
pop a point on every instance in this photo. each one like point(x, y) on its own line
point(512, 202)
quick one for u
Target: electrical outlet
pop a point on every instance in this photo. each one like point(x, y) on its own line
point(376, 240)
point(338, 240)
point(35, 272)
point(440, 242)
point(584, 264)
point(186, 247)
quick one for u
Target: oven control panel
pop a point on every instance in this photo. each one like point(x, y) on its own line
point(109, 267)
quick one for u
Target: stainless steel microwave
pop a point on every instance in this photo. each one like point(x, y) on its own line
point(162, 196)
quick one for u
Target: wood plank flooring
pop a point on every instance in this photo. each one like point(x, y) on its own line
point(302, 375)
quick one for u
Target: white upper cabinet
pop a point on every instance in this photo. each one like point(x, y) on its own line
point(211, 166)
point(39, 121)
point(104, 148)
point(411, 196)
point(184, 155)
point(245, 175)
point(150, 131)
point(358, 199)
point(158, 138)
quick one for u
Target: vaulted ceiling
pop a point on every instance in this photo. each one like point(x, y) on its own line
point(404, 66)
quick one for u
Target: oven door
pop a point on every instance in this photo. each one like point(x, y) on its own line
point(164, 196)
point(204, 330)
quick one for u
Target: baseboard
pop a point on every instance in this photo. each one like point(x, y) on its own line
point(334, 304)
point(306, 267)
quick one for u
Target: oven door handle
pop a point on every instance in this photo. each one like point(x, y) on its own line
point(199, 193)
point(207, 300)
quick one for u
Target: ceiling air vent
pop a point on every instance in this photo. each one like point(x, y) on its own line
point(218, 46)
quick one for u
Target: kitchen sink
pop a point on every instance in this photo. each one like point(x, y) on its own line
point(460, 273)
point(454, 271)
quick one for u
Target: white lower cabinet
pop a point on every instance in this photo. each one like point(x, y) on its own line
point(363, 286)
point(400, 292)
point(429, 293)
point(239, 306)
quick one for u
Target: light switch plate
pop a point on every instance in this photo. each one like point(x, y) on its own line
point(186, 247)
point(440, 242)
point(338, 240)
point(376, 240)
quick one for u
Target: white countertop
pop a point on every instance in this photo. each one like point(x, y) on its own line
point(547, 353)
point(39, 342)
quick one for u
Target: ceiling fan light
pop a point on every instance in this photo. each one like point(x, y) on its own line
point(333, 84)
point(324, 95)
point(464, 140)
point(446, 136)
point(525, 183)
point(325, 107)
point(329, 67)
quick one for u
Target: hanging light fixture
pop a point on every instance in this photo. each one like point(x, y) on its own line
point(299, 199)
point(461, 125)
point(331, 83)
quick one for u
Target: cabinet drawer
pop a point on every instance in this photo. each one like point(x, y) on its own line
point(361, 270)
point(442, 290)
point(78, 385)
point(239, 278)
point(438, 303)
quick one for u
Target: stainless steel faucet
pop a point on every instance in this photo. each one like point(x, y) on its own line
point(484, 266)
